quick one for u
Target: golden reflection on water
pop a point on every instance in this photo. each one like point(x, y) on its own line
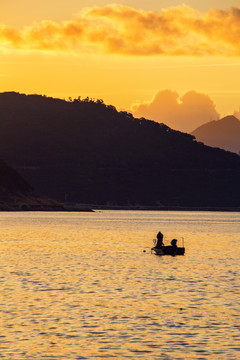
point(79, 286)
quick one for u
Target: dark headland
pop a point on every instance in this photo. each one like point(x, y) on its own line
point(86, 152)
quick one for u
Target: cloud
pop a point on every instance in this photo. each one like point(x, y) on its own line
point(184, 113)
point(119, 29)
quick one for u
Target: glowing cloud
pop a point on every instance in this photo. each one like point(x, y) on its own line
point(123, 30)
point(184, 114)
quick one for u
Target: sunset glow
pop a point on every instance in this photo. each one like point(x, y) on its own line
point(123, 53)
point(119, 179)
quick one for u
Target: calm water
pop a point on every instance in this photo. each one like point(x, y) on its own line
point(80, 286)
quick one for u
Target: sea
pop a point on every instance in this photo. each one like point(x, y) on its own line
point(86, 285)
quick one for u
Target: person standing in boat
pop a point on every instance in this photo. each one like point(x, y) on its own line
point(160, 243)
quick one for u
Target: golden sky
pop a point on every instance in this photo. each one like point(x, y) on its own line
point(124, 53)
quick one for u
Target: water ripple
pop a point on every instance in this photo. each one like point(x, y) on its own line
point(79, 286)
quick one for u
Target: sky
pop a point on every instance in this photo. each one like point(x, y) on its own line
point(171, 61)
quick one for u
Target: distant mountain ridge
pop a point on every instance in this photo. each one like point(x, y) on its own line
point(223, 133)
point(84, 151)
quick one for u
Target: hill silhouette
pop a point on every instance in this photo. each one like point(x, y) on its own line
point(17, 194)
point(223, 133)
point(87, 152)
point(12, 186)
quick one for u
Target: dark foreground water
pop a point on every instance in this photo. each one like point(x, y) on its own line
point(80, 286)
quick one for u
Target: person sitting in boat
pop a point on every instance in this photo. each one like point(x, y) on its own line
point(174, 243)
point(160, 243)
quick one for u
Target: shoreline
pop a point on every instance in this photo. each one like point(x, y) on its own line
point(50, 205)
point(168, 208)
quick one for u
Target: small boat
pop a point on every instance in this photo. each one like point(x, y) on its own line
point(169, 250)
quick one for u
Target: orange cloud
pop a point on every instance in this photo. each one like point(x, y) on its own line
point(123, 30)
point(10, 36)
point(184, 113)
